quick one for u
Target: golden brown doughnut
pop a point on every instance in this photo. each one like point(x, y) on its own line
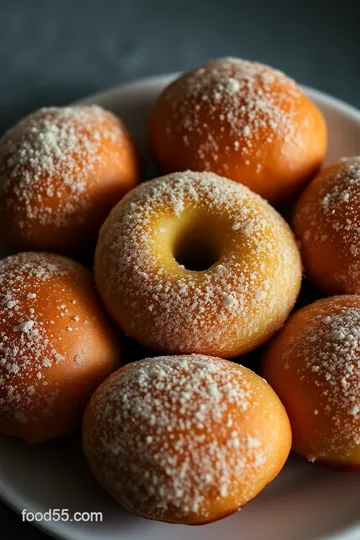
point(56, 345)
point(314, 366)
point(243, 120)
point(192, 262)
point(327, 224)
point(61, 171)
point(185, 439)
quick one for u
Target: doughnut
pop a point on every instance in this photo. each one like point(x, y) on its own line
point(242, 120)
point(195, 263)
point(313, 365)
point(327, 224)
point(185, 439)
point(61, 171)
point(56, 345)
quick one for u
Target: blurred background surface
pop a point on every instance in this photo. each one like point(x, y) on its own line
point(52, 52)
point(55, 51)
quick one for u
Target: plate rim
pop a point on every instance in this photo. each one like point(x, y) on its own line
point(154, 80)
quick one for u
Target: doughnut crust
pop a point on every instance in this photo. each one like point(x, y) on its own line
point(327, 224)
point(242, 120)
point(230, 307)
point(61, 171)
point(185, 439)
point(313, 366)
point(56, 345)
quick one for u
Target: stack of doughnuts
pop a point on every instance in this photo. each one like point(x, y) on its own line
point(198, 267)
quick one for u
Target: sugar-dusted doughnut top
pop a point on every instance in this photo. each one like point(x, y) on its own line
point(186, 439)
point(240, 94)
point(62, 169)
point(243, 120)
point(230, 306)
point(56, 345)
point(327, 222)
point(314, 366)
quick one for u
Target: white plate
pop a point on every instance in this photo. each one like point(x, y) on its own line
point(303, 503)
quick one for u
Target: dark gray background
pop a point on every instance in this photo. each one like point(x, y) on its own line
point(55, 51)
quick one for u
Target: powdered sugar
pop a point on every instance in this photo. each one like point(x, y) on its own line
point(250, 101)
point(218, 310)
point(28, 345)
point(49, 160)
point(330, 207)
point(189, 446)
point(326, 358)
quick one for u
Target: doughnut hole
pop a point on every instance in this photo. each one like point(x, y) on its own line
point(313, 366)
point(197, 246)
